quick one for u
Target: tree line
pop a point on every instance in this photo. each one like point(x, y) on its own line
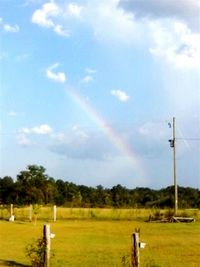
point(34, 186)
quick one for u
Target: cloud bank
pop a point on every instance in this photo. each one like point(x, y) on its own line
point(184, 10)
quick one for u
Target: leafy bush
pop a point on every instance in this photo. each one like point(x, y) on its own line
point(35, 251)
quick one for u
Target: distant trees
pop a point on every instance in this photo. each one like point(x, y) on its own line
point(7, 190)
point(34, 186)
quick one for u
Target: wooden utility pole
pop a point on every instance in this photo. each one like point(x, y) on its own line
point(173, 145)
point(174, 168)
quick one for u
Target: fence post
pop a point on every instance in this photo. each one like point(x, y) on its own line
point(54, 213)
point(11, 210)
point(135, 252)
point(30, 212)
point(47, 244)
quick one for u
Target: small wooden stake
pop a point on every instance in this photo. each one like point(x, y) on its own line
point(47, 245)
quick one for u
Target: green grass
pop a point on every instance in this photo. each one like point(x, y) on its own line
point(103, 242)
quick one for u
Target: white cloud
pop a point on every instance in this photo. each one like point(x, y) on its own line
point(11, 28)
point(43, 129)
point(74, 10)
point(51, 14)
point(43, 16)
point(176, 44)
point(163, 27)
point(8, 27)
point(46, 17)
point(57, 77)
point(120, 95)
point(59, 29)
point(107, 20)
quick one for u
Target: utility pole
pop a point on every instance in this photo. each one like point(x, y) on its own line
point(173, 145)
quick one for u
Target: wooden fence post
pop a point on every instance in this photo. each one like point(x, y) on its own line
point(47, 244)
point(11, 210)
point(54, 213)
point(135, 251)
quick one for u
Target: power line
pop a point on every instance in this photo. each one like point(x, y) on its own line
point(188, 139)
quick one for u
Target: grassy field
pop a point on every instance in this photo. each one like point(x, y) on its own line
point(46, 213)
point(103, 242)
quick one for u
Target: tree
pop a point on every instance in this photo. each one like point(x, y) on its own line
point(120, 196)
point(7, 194)
point(32, 184)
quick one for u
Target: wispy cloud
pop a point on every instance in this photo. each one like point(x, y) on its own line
point(120, 95)
point(57, 77)
point(60, 30)
point(43, 129)
point(11, 28)
point(89, 77)
point(8, 27)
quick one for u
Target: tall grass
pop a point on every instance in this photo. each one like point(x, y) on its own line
point(45, 213)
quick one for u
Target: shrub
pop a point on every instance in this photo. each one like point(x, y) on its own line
point(35, 251)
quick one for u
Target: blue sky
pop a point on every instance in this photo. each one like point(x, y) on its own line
point(88, 87)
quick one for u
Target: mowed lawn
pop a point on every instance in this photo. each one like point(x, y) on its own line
point(103, 243)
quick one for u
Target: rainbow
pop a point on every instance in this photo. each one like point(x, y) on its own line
point(114, 138)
